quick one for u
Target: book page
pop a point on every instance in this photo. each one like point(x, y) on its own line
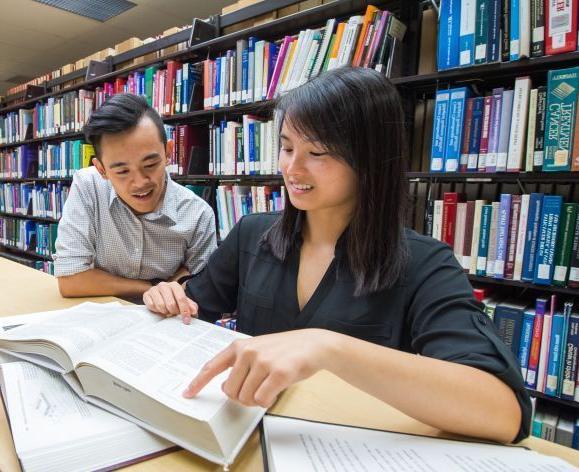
point(294, 444)
point(83, 327)
point(46, 415)
point(161, 360)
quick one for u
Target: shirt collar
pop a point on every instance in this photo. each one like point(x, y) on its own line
point(298, 239)
point(168, 207)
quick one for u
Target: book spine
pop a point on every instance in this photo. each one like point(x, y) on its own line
point(521, 233)
point(429, 218)
point(508, 322)
point(475, 134)
point(457, 106)
point(539, 151)
point(475, 235)
point(513, 232)
point(467, 29)
point(466, 135)
point(531, 129)
point(524, 28)
point(519, 124)
point(450, 201)
point(554, 355)
point(505, 30)
point(468, 234)
point(575, 152)
point(494, 35)
point(502, 235)
point(564, 244)
point(493, 146)
point(484, 139)
point(574, 262)
point(559, 127)
point(537, 28)
point(547, 237)
point(515, 30)
point(437, 220)
point(481, 264)
point(481, 31)
point(531, 236)
point(449, 34)
point(526, 339)
point(571, 358)
point(441, 113)
point(561, 26)
point(492, 252)
point(505, 131)
point(544, 353)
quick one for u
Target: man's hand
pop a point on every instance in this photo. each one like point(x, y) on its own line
point(169, 299)
point(264, 366)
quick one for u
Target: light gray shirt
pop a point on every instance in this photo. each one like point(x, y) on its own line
point(98, 230)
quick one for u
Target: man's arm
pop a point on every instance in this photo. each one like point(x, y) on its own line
point(96, 282)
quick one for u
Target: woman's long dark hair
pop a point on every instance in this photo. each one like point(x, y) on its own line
point(356, 114)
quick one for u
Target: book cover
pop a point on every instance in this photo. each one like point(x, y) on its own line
point(508, 320)
point(440, 127)
point(548, 231)
point(564, 244)
point(456, 111)
point(448, 34)
point(561, 26)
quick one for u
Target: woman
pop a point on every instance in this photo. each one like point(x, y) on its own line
point(344, 286)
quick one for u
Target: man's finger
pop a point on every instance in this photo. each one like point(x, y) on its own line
point(168, 298)
point(214, 367)
point(157, 303)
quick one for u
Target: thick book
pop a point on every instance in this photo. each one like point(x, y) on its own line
point(571, 357)
point(547, 238)
point(53, 430)
point(554, 359)
point(539, 152)
point(564, 244)
point(475, 134)
point(439, 133)
point(508, 320)
point(526, 340)
point(504, 130)
point(290, 444)
point(456, 111)
point(536, 341)
point(135, 364)
point(467, 28)
point(560, 26)
point(532, 236)
point(503, 226)
point(519, 124)
point(448, 34)
point(537, 28)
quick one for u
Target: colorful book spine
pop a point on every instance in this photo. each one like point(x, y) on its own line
point(515, 30)
point(494, 34)
point(448, 34)
point(539, 151)
point(483, 247)
point(564, 244)
point(484, 138)
point(457, 108)
point(505, 130)
point(495, 125)
point(512, 238)
point(531, 129)
point(532, 236)
point(521, 233)
point(440, 127)
point(481, 31)
point(475, 134)
point(502, 235)
point(548, 231)
point(573, 281)
point(544, 353)
point(571, 359)
point(505, 30)
point(468, 119)
point(561, 109)
point(554, 354)
point(467, 29)
point(537, 28)
point(519, 124)
point(561, 26)
point(526, 339)
point(534, 354)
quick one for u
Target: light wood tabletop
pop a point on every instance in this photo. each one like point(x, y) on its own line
point(323, 397)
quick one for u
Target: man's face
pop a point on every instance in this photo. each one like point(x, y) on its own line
point(134, 161)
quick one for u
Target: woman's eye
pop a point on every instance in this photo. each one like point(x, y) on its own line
point(318, 154)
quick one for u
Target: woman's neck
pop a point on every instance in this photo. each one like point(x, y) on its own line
point(323, 227)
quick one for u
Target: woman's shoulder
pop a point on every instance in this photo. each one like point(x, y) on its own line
point(251, 228)
point(426, 251)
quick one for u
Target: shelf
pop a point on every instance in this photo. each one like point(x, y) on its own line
point(526, 285)
point(4, 180)
point(228, 178)
point(15, 250)
point(28, 217)
point(548, 177)
point(483, 72)
point(263, 107)
point(559, 401)
point(56, 137)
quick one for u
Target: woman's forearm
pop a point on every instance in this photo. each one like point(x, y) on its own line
point(446, 395)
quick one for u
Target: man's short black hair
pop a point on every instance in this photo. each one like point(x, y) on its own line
point(120, 113)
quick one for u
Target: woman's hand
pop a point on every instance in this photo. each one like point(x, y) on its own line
point(169, 299)
point(264, 366)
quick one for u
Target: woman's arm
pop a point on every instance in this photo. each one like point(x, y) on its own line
point(449, 396)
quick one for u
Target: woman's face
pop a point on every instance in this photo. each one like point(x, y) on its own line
point(315, 179)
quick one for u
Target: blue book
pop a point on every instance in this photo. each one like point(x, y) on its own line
point(457, 107)
point(547, 238)
point(251, 127)
point(439, 132)
point(475, 133)
point(515, 34)
point(531, 236)
point(570, 361)
point(503, 225)
point(526, 338)
point(250, 67)
point(483, 245)
point(508, 320)
point(564, 345)
point(467, 28)
point(244, 74)
point(555, 347)
point(448, 34)
point(494, 28)
point(576, 434)
point(217, 91)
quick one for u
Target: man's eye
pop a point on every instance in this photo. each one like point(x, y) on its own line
point(122, 172)
point(286, 149)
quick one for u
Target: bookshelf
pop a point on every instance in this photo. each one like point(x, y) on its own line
point(410, 84)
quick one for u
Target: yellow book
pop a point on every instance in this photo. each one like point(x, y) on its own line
point(370, 10)
point(87, 154)
point(287, 66)
point(336, 47)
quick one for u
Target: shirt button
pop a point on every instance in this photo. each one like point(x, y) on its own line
point(482, 318)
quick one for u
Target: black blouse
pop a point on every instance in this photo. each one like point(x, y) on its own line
point(431, 310)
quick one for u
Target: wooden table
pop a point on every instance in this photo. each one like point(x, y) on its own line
point(323, 397)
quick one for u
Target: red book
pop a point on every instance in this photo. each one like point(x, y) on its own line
point(119, 85)
point(188, 138)
point(535, 350)
point(169, 101)
point(560, 26)
point(466, 135)
point(450, 200)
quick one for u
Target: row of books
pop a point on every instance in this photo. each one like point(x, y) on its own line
point(64, 114)
point(250, 147)
point(44, 266)
point(259, 70)
point(485, 31)
point(555, 424)
point(544, 337)
point(530, 237)
point(525, 129)
point(34, 199)
point(28, 235)
point(45, 160)
point(235, 201)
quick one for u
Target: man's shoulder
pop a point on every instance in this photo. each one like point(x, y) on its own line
point(186, 199)
point(91, 184)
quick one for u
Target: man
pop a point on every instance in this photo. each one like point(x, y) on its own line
point(126, 226)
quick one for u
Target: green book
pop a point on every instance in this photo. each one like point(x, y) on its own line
point(560, 120)
point(149, 80)
point(330, 47)
point(481, 31)
point(564, 244)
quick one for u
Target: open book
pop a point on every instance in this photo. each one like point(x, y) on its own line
point(292, 444)
point(135, 364)
point(55, 431)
